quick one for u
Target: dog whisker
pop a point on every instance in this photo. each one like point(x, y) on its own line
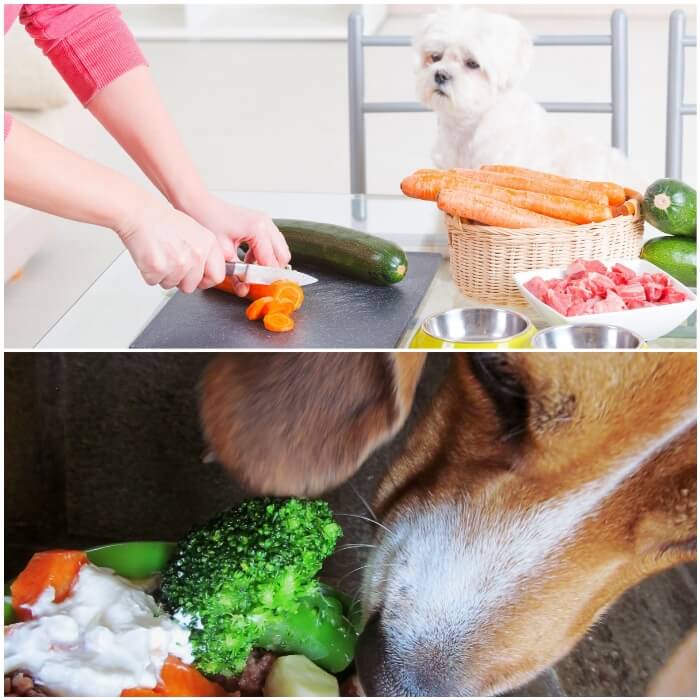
point(364, 502)
point(355, 546)
point(369, 520)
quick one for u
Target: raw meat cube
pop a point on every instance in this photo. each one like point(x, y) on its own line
point(624, 271)
point(595, 266)
point(599, 284)
point(610, 304)
point(576, 269)
point(559, 301)
point(536, 286)
point(634, 292)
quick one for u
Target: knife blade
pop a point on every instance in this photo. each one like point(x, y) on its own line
point(251, 273)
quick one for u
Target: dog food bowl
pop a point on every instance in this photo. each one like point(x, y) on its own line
point(650, 323)
point(590, 337)
point(475, 328)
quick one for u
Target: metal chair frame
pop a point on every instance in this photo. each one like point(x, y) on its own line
point(618, 106)
point(676, 109)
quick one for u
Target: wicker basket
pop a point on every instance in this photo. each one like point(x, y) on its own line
point(484, 259)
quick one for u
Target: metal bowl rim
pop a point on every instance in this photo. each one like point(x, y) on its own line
point(503, 339)
point(609, 326)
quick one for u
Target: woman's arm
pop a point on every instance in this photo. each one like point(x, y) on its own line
point(169, 247)
point(131, 109)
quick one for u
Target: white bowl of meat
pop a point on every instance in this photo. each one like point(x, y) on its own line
point(632, 294)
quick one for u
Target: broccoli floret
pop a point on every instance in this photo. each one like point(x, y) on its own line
point(247, 578)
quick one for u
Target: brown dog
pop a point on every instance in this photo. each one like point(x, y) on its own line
point(536, 489)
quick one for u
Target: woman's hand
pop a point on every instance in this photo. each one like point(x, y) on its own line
point(171, 249)
point(234, 225)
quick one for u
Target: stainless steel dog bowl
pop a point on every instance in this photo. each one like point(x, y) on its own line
point(591, 336)
point(475, 328)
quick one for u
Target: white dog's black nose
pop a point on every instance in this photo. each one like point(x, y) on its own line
point(441, 77)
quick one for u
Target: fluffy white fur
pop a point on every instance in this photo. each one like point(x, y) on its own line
point(469, 65)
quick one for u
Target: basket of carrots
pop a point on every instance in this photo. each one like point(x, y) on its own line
point(502, 220)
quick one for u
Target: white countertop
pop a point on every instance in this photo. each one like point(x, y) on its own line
point(111, 310)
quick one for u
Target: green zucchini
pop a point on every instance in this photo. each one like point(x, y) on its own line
point(344, 250)
point(676, 256)
point(671, 206)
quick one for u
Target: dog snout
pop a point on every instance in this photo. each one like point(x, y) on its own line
point(426, 670)
point(441, 77)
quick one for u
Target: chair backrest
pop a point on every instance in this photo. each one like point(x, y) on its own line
point(357, 41)
point(676, 109)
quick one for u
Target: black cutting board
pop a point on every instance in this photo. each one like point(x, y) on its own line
point(338, 312)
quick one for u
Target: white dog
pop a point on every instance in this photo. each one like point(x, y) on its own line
point(470, 63)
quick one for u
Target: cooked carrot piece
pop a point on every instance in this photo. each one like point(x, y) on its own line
point(178, 680)
point(142, 693)
point(58, 568)
point(565, 186)
point(257, 309)
point(491, 212)
point(282, 290)
point(278, 322)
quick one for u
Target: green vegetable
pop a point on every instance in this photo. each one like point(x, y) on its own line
point(676, 256)
point(345, 250)
point(247, 579)
point(671, 206)
point(297, 677)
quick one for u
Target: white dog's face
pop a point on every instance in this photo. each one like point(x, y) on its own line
point(467, 58)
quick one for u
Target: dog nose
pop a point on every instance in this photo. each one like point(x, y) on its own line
point(441, 77)
point(424, 672)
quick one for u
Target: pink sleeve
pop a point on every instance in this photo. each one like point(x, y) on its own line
point(89, 45)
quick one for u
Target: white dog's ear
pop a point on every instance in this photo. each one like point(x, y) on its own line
point(510, 50)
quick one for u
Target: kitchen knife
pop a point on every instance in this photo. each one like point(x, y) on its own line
point(249, 273)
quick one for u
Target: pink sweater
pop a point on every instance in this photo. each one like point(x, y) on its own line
point(89, 45)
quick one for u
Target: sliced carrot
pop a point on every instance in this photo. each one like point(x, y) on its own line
point(58, 568)
point(257, 309)
point(565, 186)
point(278, 306)
point(282, 290)
point(278, 322)
point(227, 286)
point(178, 680)
point(485, 210)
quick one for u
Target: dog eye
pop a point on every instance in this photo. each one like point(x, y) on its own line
point(471, 63)
point(435, 57)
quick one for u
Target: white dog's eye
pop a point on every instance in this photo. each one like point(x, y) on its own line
point(434, 57)
point(471, 63)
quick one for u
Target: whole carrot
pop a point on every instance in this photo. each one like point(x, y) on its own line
point(486, 210)
point(568, 187)
point(423, 184)
point(557, 207)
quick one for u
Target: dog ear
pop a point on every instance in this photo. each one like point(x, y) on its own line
point(301, 423)
point(510, 50)
point(665, 529)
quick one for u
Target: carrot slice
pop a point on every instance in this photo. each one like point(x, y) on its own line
point(278, 306)
point(58, 568)
point(178, 679)
point(485, 210)
point(257, 309)
point(278, 322)
point(282, 290)
point(565, 186)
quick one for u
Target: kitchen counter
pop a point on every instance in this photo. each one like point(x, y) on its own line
point(111, 310)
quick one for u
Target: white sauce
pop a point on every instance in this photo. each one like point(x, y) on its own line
point(105, 637)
